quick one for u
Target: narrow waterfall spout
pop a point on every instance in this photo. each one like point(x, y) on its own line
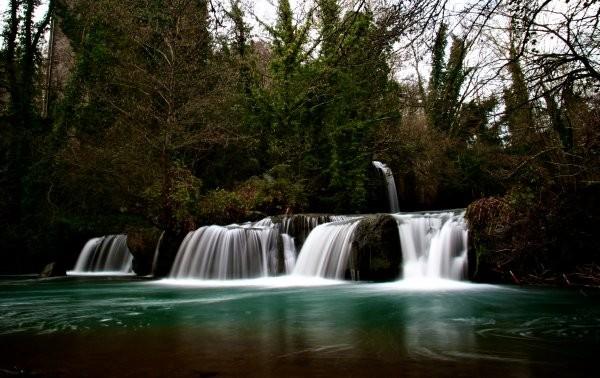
point(104, 255)
point(156, 253)
point(391, 185)
point(326, 250)
point(434, 245)
point(231, 252)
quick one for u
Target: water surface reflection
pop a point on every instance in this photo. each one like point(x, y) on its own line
point(124, 327)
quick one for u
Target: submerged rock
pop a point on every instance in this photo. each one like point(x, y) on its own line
point(376, 254)
point(53, 270)
point(142, 245)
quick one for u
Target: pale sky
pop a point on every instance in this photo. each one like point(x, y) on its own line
point(39, 13)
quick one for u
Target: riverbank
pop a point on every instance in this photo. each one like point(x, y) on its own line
point(546, 241)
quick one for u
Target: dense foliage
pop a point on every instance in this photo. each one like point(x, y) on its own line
point(175, 114)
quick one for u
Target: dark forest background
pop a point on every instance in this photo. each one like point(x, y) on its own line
point(173, 114)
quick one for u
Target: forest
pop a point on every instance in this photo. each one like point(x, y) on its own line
point(121, 116)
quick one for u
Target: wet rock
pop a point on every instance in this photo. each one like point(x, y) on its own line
point(376, 253)
point(300, 225)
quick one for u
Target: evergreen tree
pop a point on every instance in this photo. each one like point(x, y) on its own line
point(329, 12)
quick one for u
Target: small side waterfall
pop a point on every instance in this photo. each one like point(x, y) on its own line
point(434, 245)
point(289, 253)
point(391, 185)
point(104, 255)
point(231, 252)
point(326, 250)
point(156, 253)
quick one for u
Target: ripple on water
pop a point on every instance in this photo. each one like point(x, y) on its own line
point(475, 321)
point(545, 328)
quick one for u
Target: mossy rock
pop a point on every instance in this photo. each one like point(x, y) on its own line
point(376, 254)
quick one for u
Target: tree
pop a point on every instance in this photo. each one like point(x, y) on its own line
point(21, 63)
point(329, 18)
point(519, 115)
point(172, 97)
point(560, 40)
point(21, 122)
point(445, 84)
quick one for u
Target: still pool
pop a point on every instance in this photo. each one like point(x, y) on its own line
point(94, 326)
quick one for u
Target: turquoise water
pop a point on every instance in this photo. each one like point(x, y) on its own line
point(127, 327)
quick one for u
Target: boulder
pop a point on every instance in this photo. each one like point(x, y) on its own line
point(376, 254)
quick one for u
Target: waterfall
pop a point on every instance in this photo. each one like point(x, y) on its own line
point(434, 245)
point(299, 226)
point(230, 252)
point(106, 254)
point(326, 250)
point(289, 252)
point(391, 185)
point(156, 252)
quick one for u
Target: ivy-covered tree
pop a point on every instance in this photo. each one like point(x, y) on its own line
point(519, 115)
point(447, 78)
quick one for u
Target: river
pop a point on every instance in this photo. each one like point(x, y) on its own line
point(279, 326)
